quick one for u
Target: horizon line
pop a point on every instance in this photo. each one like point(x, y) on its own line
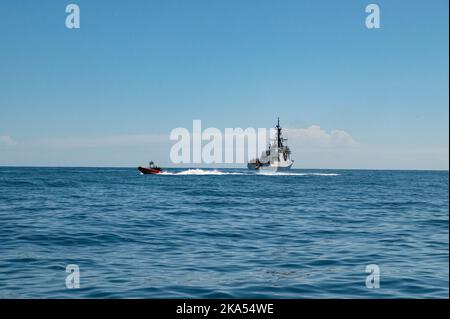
point(203, 167)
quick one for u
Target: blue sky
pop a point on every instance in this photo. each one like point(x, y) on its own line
point(142, 68)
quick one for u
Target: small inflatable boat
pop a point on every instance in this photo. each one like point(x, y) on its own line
point(152, 169)
point(145, 170)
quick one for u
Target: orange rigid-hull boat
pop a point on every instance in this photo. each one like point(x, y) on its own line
point(146, 170)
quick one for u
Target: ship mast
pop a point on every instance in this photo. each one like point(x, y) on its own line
point(279, 141)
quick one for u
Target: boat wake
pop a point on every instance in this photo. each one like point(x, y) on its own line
point(268, 173)
point(202, 172)
point(199, 171)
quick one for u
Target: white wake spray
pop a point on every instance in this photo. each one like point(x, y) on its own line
point(198, 171)
point(202, 172)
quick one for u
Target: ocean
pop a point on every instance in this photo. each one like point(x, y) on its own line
point(225, 233)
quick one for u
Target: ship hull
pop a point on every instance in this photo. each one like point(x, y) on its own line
point(270, 168)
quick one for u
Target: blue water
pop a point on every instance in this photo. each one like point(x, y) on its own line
point(224, 233)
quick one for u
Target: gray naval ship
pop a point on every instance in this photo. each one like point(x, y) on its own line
point(276, 158)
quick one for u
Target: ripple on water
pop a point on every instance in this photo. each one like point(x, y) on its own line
point(223, 233)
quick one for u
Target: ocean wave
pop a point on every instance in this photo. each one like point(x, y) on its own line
point(241, 235)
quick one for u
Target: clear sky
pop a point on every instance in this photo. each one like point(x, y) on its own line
point(101, 95)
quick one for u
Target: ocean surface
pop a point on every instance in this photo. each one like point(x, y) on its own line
point(223, 233)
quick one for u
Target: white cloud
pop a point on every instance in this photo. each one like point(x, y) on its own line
point(7, 140)
point(316, 136)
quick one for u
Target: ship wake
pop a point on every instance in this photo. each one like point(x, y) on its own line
point(268, 173)
point(206, 172)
